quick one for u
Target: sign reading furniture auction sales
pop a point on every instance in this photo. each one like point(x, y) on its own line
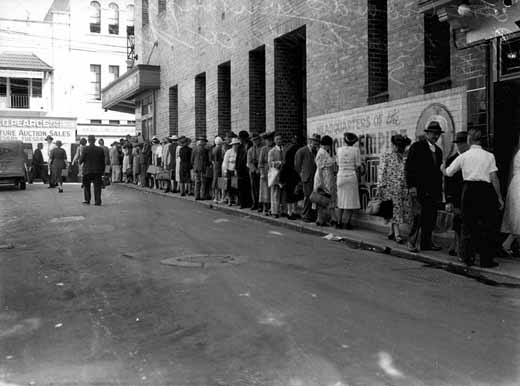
point(37, 129)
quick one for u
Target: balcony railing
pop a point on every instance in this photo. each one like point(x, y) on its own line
point(19, 101)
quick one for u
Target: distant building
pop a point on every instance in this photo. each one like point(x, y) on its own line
point(54, 69)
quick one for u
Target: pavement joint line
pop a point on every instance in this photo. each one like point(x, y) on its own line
point(345, 239)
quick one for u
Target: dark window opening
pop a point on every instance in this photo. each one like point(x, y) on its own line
point(114, 122)
point(257, 90)
point(161, 5)
point(3, 86)
point(19, 93)
point(437, 71)
point(200, 105)
point(174, 110)
point(95, 81)
point(377, 51)
point(95, 121)
point(224, 98)
point(130, 30)
point(113, 29)
point(95, 27)
point(145, 10)
point(290, 84)
point(37, 88)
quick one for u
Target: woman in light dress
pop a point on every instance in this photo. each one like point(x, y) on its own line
point(127, 163)
point(349, 164)
point(391, 185)
point(325, 180)
point(511, 220)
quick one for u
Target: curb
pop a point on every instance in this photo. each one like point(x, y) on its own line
point(353, 242)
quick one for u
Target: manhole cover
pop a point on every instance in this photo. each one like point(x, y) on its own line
point(202, 261)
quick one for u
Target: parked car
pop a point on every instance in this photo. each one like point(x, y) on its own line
point(13, 164)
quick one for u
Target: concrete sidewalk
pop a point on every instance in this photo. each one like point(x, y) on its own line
point(362, 239)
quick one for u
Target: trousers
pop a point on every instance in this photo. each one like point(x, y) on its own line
point(255, 188)
point(97, 180)
point(479, 219)
point(307, 213)
point(116, 173)
point(200, 186)
point(424, 222)
point(276, 192)
point(244, 191)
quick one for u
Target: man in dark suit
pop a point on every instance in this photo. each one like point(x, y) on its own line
point(305, 166)
point(244, 184)
point(93, 160)
point(38, 170)
point(424, 181)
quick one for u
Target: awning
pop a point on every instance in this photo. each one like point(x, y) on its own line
point(18, 61)
point(120, 94)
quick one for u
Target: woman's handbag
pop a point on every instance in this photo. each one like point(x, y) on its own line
point(234, 182)
point(298, 191)
point(373, 207)
point(272, 176)
point(65, 172)
point(320, 198)
point(222, 183)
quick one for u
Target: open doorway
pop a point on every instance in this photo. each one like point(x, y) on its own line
point(506, 126)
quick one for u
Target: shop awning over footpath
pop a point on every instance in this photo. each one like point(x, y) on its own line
point(120, 94)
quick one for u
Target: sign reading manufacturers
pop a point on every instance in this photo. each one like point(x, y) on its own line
point(376, 124)
point(36, 129)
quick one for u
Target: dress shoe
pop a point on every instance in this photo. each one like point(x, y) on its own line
point(97, 204)
point(412, 248)
point(307, 220)
point(493, 264)
point(348, 227)
point(276, 216)
point(339, 226)
point(452, 252)
point(291, 217)
point(86, 203)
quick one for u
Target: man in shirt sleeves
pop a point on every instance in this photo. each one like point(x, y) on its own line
point(424, 181)
point(481, 201)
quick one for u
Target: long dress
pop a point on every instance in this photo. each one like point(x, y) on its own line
point(349, 160)
point(263, 167)
point(391, 185)
point(288, 175)
point(58, 162)
point(217, 156)
point(126, 162)
point(511, 220)
point(324, 177)
point(185, 165)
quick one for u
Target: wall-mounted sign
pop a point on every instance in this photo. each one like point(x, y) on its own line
point(376, 124)
point(36, 129)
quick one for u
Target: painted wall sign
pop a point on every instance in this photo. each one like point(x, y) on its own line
point(36, 129)
point(376, 124)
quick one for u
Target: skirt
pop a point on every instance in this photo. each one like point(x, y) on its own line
point(348, 192)
point(511, 220)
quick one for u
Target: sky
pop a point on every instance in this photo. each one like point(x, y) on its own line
point(21, 9)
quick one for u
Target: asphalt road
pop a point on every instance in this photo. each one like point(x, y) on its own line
point(85, 300)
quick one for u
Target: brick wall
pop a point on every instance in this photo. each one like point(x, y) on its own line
point(196, 37)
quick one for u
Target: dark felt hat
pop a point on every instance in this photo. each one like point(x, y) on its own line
point(49, 137)
point(202, 138)
point(434, 127)
point(400, 140)
point(316, 137)
point(255, 137)
point(350, 138)
point(243, 134)
point(268, 135)
point(461, 137)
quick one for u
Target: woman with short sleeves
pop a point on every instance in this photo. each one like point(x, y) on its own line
point(349, 164)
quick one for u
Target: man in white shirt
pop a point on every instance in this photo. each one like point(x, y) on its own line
point(481, 201)
point(50, 147)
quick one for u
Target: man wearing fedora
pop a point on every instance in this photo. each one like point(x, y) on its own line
point(305, 166)
point(171, 160)
point(453, 189)
point(200, 163)
point(424, 181)
point(50, 147)
point(253, 155)
point(93, 160)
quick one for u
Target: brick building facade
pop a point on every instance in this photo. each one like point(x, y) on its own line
point(298, 67)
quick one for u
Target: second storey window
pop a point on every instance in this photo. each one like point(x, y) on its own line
point(114, 71)
point(436, 54)
point(95, 17)
point(95, 81)
point(130, 19)
point(36, 88)
point(144, 15)
point(3, 87)
point(113, 19)
point(161, 5)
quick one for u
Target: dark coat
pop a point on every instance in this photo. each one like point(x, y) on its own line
point(172, 150)
point(241, 163)
point(422, 172)
point(58, 158)
point(185, 164)
point(288, 175)
point(200, 159)
point(305, 164)
point(93, 160)
point(37, 157)
point(453, 185)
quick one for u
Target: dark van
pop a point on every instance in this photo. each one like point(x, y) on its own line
point(13, 164)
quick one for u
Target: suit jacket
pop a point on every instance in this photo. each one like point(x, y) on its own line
point(305, 164)
point(241, 164)
point(200, 158)
point(453, 185)
point(423, 172)
point(37, 157)
point(93, 160)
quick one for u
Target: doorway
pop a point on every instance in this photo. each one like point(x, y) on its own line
point(506, 126)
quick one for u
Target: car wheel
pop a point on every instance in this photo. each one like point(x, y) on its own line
point(22, 184)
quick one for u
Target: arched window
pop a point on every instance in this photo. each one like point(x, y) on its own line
point(130, 20)
point(113, 19)
point(95, 17)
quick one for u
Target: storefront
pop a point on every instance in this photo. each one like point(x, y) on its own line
point(34, 130)
point(135, 92)
point(487, 36)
